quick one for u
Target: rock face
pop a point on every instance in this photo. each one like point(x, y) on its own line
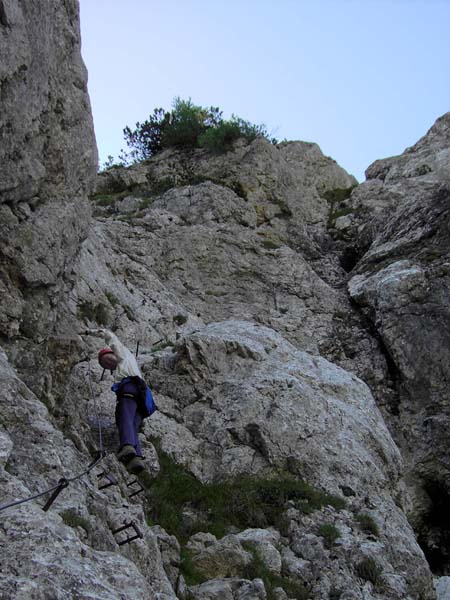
point(246, 401)
point(253, 402)
point(47, 147)
point(73, 554)
point(48, 157)
point(264, 221)
point(291, 323)
point(402, 285)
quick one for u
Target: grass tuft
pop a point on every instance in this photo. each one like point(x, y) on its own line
point(368, 524)
point(330, 534)
point(369, 570)
point(244, 502)
point(187, 567)
point(258, 569)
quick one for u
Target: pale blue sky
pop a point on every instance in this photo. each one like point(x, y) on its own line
point(362, 78)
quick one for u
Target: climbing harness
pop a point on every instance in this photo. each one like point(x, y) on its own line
point(65, 481)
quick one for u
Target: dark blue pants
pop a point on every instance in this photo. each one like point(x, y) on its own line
point(128, 420)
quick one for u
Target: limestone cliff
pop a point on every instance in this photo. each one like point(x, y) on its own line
point(293, 326)
point(48, 157)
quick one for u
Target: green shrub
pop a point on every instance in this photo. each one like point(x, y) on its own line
point(180, 319)
point(330, 533)
point(244, 502)
point(367, 524)
point(423, 170)
point(180, 127)
point(187, 126)
point(369, 570)
point(188, 570)
point(338, 194)
point(146, 139)
point(110, 163)
point(9, 469)
point(221, 137)
point(187, 123)
point(113, 300)
point(106, 199)
point(257, 569)
point(144, 204)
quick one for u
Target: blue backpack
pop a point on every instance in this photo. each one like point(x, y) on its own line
point(145, 399)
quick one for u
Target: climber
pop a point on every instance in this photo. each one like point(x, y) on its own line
point(134, 399)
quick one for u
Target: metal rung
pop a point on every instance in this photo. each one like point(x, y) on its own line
point(62, 483)
point(111, 480)
point(129, 525)
point(134, 482)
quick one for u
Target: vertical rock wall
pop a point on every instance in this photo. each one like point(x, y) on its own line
point(401, 214)
point(262, 215)
point(47, 145)
point(48, 157)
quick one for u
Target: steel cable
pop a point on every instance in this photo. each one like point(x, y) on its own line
point(63, 482)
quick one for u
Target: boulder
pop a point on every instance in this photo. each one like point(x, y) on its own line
point(224, 558)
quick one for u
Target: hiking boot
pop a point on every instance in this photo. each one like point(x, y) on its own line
point(126, 453)
point(136, 465)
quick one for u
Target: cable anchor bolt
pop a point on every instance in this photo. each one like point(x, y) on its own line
point(62, 483)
